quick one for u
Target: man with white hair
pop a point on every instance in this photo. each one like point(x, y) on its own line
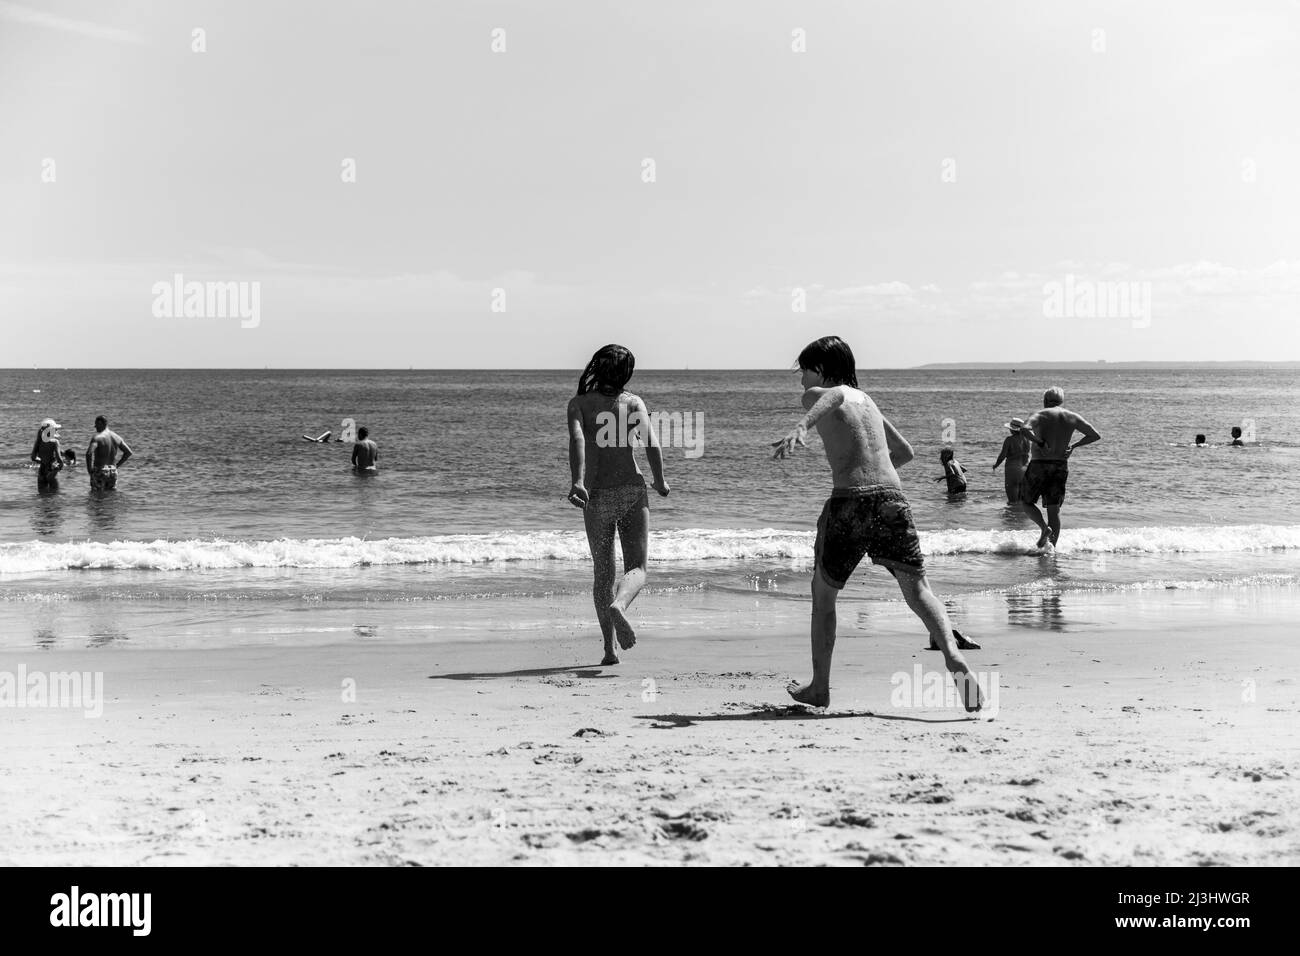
point(1050, 431)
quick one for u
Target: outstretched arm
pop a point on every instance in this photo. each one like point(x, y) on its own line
point(817, 401)
point(578, 496)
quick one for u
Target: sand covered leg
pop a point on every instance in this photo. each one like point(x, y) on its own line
point(634, 537)
point(600, 538)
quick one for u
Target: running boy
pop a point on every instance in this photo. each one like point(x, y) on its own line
point(866, 514)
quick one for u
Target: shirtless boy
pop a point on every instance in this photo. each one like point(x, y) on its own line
point(101, 456)
point(866, 514)
point(1050, 431)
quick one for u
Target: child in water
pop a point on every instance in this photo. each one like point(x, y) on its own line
point(953, 473)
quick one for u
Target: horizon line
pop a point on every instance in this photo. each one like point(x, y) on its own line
point(1038, 364)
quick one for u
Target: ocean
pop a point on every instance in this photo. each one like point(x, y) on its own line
point(226, 524)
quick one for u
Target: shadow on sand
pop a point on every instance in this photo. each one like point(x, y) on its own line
point(789, 712)
point(576, 670)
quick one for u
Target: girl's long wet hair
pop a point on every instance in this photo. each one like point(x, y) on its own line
point(608, 371)
point(832, 359)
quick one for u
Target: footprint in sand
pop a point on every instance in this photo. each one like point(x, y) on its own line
point(683, 830)
point(880, 859)
point(849, 818)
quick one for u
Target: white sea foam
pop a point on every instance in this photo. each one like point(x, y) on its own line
point(666, 546)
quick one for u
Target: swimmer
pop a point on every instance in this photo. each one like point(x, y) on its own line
point(953, 473)
point(365, 452)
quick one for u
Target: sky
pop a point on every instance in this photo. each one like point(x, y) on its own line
point(515, 184)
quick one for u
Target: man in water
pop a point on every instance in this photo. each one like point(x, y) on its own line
point(101, 456)
point(1050, 431)
point(365, 452)
point(1236, 437)
point(866, 515)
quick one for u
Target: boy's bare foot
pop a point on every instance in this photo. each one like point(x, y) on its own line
point(622, 629)
point(1042, 540)
point(963, 643)
point(807, 694)
point(609, 658)
point(969, 691)
point(1053, 536)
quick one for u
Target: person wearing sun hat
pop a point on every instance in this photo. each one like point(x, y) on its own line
point(1015, 452)
point(48, 454)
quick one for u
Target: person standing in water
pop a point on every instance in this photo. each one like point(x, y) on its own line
point(605, 422)
point(47, 452)
point(1015, 452)
point(101, 456)
point(866, 515)
point(1051, 430)
point(365, 453)
point(953, 473)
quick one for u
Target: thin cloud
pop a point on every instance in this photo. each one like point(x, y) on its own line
point(20, 14)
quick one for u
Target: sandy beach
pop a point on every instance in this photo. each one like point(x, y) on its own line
point(1111, 746)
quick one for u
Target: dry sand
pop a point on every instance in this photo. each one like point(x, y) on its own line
point(1124, 748)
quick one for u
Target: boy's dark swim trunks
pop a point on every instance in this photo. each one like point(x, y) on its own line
point(1046, 478)
point(874, 520)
